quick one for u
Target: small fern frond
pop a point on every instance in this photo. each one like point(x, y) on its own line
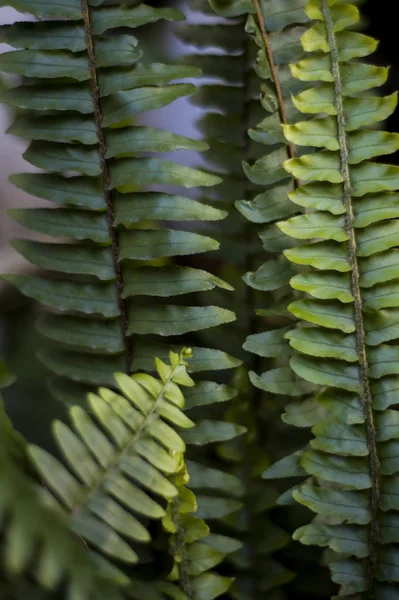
point(346, 338)
point(118, 456)
point(111, 287)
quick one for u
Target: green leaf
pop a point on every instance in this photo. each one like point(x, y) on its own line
point(56, 35)
point(342, 539)
point(123, 142)
point(315, 225)
point(318, 342)
point(91, 335)
point(322, 255)
point(45, 65)
point(52, 97)
point(80, 225)
point(126, 104)
point(207, 432)
point(65, 129)
point(266, 207)
point(145, 171)
point(151, 205)
point(175, 320)
point(68, 295)
point(210, 585)
point(268, 344)
point(142, 74)
point(333, 374)
point(76, 191)
point(125, 16)
point(325, 286)
point(147, 245)
point(270, 276)
point(347, 471)
point(349, 506)
point(204, 477)
point(320, 166)
point(278, 381)
point(62, 158)
point(168, 281)
point(327, 314)
point(289, 466)
point(117, 52)
point(41, 8)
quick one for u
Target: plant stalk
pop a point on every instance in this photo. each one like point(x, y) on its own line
point(107, 183)
point(361, 349)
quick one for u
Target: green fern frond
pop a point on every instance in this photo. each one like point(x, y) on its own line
point(232, 105)
point(112, 287)
point(36, 542)
point(119, 455)
point(345, 340)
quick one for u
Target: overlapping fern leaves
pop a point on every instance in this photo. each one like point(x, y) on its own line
point(345, 340)
point(230, 98)
point(124, 467)
point(82, 91)
point(36, 541)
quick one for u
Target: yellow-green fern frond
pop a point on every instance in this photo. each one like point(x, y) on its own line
point(346, 338)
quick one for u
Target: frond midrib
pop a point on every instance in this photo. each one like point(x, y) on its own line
point(106, 176)
point(364, 372)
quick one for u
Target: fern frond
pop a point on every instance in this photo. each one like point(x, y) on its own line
point(119, 456)
point(36, 542)
point(112, 287)
point(345, 340)
point(231, 101)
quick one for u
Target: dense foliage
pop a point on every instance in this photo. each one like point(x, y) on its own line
point(281, 277)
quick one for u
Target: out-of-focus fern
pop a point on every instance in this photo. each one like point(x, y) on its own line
point(35, 541)
point(231, 100)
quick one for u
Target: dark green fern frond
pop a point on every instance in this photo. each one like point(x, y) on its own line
point(231, 101)
point(346, 338)
point(112, 286)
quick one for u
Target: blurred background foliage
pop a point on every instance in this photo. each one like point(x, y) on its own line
point(28, 401)
point(18, 337)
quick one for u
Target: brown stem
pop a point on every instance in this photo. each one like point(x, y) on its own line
point(367, 399)
point(273, 69)
point(106, 182)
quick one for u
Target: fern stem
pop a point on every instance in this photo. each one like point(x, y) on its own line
point(106, 182)
point(374, 461)
point(181, 550)
point(273, 69)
